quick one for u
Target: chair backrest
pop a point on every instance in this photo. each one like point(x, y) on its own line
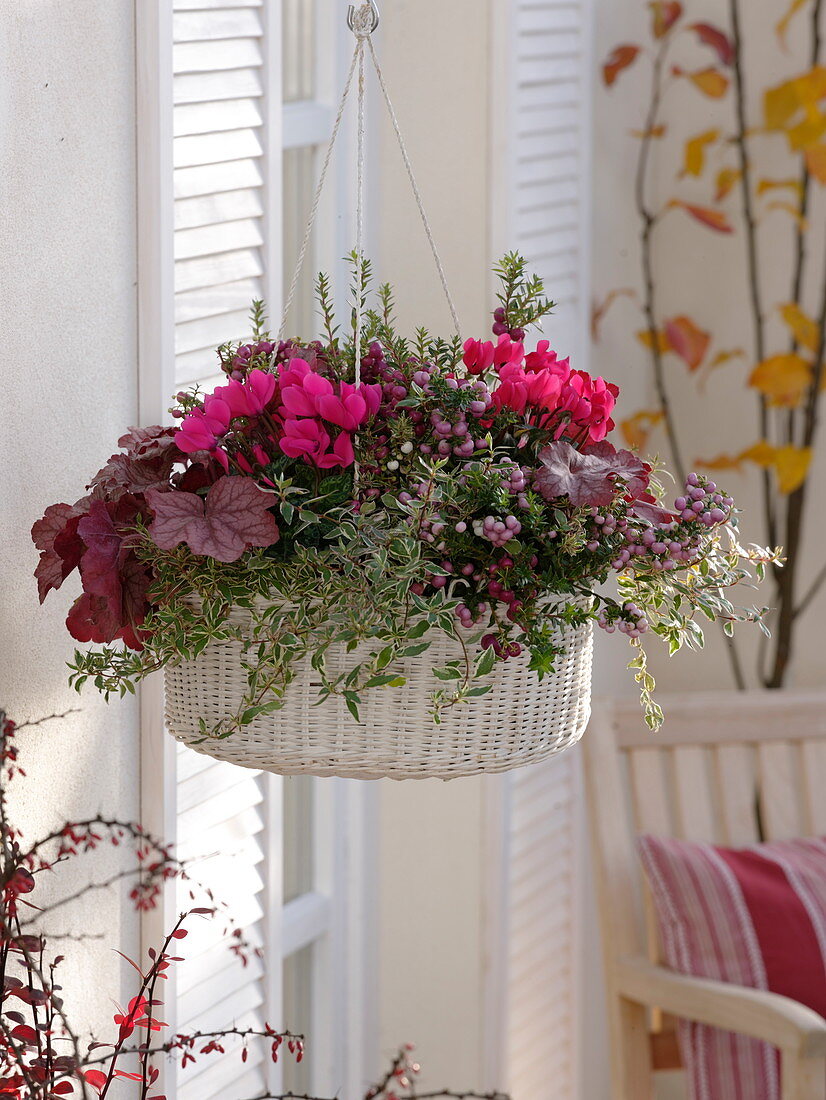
point(728, 768)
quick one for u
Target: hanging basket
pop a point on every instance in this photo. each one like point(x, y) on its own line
point(522, 720)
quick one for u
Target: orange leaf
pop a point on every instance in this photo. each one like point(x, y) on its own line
point(717, 39)
point(783, 26)
point(721, 462)
point(695, 152)
point(783, 379)
point(620, 58)
point(789, 208)
point(791, 464)
point(726, 179)
point(803, 328)
point(654, 132)
point(765, 186)
point(816, 161)
point(644, 337)
point(687, 340)
point(714, 219)
point(665, 14)
point(599, 309)
point(637, 428)
point(761, 454)
point(711, 81)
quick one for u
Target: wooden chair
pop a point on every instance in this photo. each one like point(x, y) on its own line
point(727, 769)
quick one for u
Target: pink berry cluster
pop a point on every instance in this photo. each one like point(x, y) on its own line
point(497, 531)
point(628, 619)
point(702, 502)
point(604, 526)
point(678, 543)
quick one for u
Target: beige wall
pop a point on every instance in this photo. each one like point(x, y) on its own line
point(435, 56)
point(67, 318)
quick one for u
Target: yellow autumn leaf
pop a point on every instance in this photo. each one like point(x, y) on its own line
point(644, 337)
point(761, 454)
point(791, 210)
point(781, 103)
point(637, 428)
point(695, 152)
point(782, 379)
point(816, 161)
point(726, 179)
point(803, 328)
point(764, 186)
point(711, 81)
point(726, 356)
point(808, 132)
point(721, 462)
point(791, 464)
point(782, 27)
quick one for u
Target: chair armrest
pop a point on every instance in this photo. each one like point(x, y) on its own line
point(767, 1016)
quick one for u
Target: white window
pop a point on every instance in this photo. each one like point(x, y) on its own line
point(235, 100)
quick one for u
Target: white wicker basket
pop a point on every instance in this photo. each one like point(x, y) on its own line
point(521, 721)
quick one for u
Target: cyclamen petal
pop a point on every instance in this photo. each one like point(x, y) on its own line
point(333, 409)
point(297, 401)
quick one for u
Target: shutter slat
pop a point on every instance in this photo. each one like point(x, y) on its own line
point(203, 26)
point(227, 267)
point(207, 118)
point(213, 87)
point(209, 240)
point(226, 206)
point(210, 57)
point(215, 178)
point(200, 149)
point(209, 332)
point(211, 5)
point(213, 300)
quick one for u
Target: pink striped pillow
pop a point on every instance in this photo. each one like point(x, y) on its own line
point(754, 916)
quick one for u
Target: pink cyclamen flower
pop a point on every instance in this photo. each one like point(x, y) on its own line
point(544, 359)
point(249, 398)
point(508, 353)
point(478, 356)
point(202, 429)
point(304, 439)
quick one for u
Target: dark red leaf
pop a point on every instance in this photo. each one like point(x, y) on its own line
point(718, 40)
point(62, 548)
point(234, 517)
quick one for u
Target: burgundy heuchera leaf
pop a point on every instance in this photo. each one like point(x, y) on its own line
point(588, 478)
point(55, 535)
point(234, 517)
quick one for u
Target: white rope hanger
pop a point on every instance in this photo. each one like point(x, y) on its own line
point(363, 21)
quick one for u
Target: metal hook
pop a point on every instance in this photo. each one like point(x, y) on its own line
point(351, 16)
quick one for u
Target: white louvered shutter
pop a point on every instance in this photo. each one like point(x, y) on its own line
point(220, 251)
point(247, 130)
point(223, 104)
point(541, 209)
point(542, 197)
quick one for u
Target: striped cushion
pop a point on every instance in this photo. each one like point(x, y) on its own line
point(754, 916)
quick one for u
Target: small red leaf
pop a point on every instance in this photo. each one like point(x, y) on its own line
point(180, 934)
point(620, 58)
point(715, 38)
point(95, 1078)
